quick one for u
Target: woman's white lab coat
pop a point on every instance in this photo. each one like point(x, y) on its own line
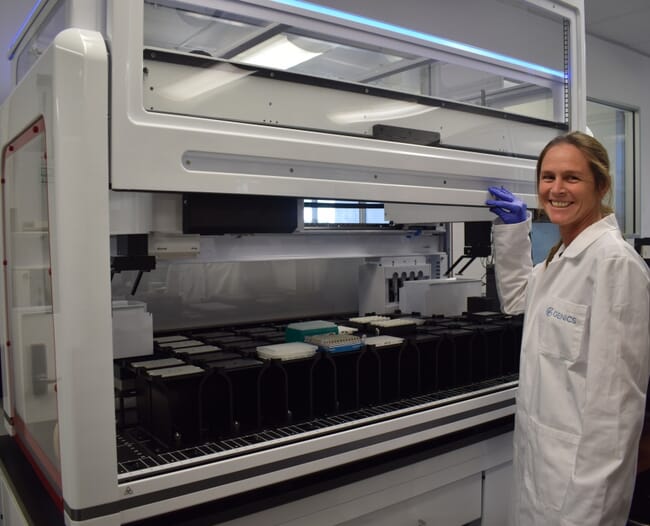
point(583, 374)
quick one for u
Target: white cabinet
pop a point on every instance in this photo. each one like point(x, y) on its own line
point(10, 512)
point(497, 493)
point(453, 504)
point(447, 488)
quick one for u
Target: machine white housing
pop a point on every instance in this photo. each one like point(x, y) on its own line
point(99, 117)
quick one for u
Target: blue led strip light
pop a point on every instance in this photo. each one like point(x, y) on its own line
point(378, 24)
point(20, 33)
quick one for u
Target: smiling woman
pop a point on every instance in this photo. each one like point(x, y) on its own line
point(584, 355)
point(572, 180)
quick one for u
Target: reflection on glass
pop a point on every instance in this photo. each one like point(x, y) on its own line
point(470, 86)
point(183, 293)
point(614, 128)
point(335, 212)
point(194, 29)
point(29, 299)
point(278, 52)
point(339, 61)
point(54, 24)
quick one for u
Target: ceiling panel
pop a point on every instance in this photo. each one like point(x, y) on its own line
point(623, 22)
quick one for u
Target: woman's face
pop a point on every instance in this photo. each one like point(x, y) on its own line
point(567, 191)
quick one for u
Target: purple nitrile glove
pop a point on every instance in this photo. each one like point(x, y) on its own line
point(509, 208)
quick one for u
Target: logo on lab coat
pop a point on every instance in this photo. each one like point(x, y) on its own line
point(552, 313)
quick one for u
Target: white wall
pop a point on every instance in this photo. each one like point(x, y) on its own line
point(618, 76)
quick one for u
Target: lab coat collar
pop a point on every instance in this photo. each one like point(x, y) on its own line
point(589, 235)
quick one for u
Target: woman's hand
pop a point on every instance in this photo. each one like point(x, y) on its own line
point(509, 208)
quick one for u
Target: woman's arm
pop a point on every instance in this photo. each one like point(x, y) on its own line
point(513, 264)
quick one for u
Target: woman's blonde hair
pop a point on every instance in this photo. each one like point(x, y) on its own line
point(598, 161)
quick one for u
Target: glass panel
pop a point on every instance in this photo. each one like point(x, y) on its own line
point(521, 88)
point(195, 31)
point(55, 23)
point(319, 57)
point(188, 293)
point(29, 298)
point(544, 235)
point(333, 212)
point(614, 128)
point(514, 29)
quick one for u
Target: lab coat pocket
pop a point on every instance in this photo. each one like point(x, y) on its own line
point(552, 455)
point(562, 328)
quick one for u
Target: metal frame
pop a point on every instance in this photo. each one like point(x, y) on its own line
point(82, 315)
point(146, 156)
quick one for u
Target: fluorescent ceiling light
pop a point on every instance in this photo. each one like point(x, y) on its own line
point(277, 52)
point(452, 44)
